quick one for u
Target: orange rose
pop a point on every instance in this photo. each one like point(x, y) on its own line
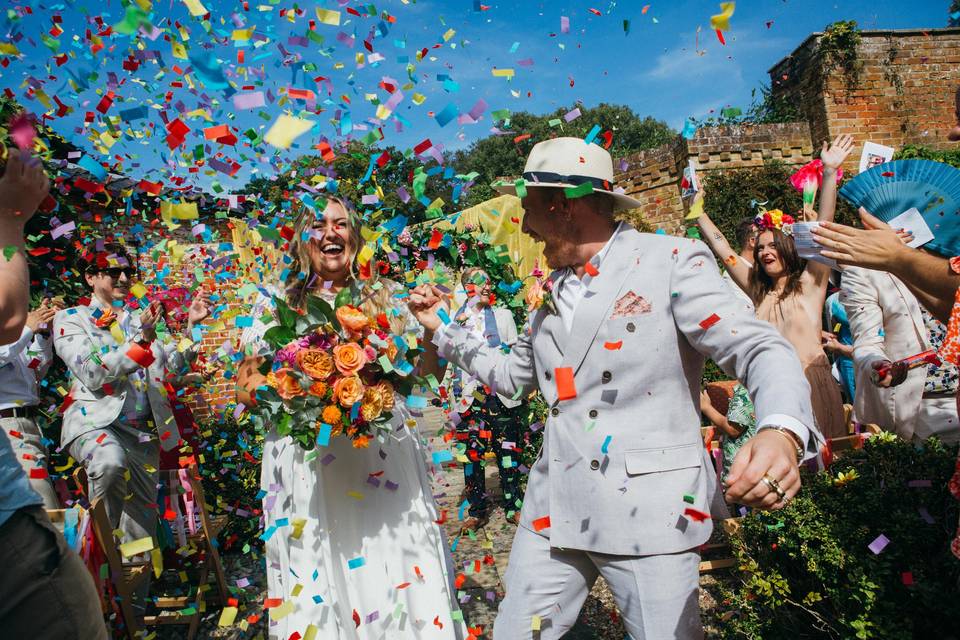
point(331, 415)
point(348, 391)
point(349, 358)
point(361, 442)
point(386, 394)
point(316, 363)
point(318, 388)
point(352, 319)
point(287, 385)
point(392, 351)
point(372, 404)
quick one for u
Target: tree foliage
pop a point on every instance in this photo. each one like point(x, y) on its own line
point(504, 152)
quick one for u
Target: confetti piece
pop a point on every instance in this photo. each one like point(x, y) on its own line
point(606, 444)
point(535, 623)
point(591, 270)
point(356, 563)
point(136, 547)
point(721, 21)
point(541, 523)
point(709, 322)
point(143, 357)
point(566, 389)
point(579, 191)
point(879, 544)
point(695, 514)
point(285, 130)
point(613, 346)
point(327, 16)
point(227, 616)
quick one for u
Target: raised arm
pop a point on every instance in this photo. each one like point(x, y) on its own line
point(508, 374)
point(832, 157)
point(738, 269)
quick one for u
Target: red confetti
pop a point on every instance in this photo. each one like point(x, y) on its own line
point(720, 37)
point(695, 514)
point(38, 473)
point(541, 523)
point(356, 618)
point(709, 322)
point(566, 389)
point(591, 270)
point(613, 346)
point(888, 174)
point(437, 623)
point(595, 12)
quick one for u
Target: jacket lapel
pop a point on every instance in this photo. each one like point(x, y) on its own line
point(599, 299)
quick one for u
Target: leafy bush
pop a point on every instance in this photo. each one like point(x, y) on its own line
point(807, 571)
point(951, 157)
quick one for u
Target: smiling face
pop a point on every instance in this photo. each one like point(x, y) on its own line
point(477, 285)
point(768, 255)
point(546, 220)
point(332, 245)
point(111, 284)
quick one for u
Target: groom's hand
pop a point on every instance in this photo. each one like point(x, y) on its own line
point(425, 303)
point(769, 454)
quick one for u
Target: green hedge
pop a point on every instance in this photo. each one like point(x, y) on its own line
point(807, 571)
point(951, 157)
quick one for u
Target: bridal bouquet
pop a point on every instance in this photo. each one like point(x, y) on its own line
point(333, 372)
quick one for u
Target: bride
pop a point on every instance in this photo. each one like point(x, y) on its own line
point(353, 550)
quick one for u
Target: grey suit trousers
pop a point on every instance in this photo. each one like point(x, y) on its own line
point(30, 444)
point(657, 595)
point(108, 455)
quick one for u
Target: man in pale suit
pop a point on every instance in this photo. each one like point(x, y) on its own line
point(623, 487)
point(117, 414)
point(888, 324)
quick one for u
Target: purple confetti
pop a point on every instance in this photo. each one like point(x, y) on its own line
point(879, 544)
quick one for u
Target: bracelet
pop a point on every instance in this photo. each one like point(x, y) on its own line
point(792, 437)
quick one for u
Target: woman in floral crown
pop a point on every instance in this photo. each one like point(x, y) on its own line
point(353, 547)
point(789, 292)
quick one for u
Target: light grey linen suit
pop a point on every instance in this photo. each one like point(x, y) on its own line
point(93, 429)
point(619, 458)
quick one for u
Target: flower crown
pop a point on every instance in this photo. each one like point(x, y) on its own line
point(774, 219)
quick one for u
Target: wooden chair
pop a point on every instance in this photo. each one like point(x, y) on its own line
point(210, 528)
point(127, 577)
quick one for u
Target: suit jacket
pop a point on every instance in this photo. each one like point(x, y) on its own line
point(508, 336)
point(100, 367)
point(620, 457)
point(886, 324)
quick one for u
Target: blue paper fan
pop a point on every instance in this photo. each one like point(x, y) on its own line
point(889, 189)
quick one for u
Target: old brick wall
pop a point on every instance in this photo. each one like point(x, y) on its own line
point(653, 176)
point(904, 94)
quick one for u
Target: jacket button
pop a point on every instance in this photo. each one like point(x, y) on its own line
point(593, 413)
point(631, 327)
point(607, 376)
point(554, 412)
point(594, 464)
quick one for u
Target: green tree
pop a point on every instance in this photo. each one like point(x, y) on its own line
point(503, 155)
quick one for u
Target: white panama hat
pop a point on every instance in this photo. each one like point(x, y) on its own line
point(570, 162)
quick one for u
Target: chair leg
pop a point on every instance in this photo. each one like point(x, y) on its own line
point(130, 618)
point(214, 556)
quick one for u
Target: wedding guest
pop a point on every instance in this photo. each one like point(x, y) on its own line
point(789, 292)
point(888, 324)
point(117, 415)
point(746, 236)
point(488, 422)
point(46, 591)
point(736, 427)
point(838, 342)
point(22, 365)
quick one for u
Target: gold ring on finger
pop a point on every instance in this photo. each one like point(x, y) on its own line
point(774, 486)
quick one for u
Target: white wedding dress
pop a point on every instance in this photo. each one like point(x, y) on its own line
point(353, 550)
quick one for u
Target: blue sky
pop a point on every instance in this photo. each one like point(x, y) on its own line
point(660, 68)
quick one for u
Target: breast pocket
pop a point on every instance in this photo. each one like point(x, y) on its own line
point(644, 461)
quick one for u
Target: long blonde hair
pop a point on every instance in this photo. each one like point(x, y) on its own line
point(301, 276)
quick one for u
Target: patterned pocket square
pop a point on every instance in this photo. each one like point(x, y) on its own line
point(630, 305)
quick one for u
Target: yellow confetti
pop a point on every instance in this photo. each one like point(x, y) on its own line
point(721, 21)
point(503, 73)
point(285, 609)
point(326, 16)
point(136, 547)
point(285, 130)
point(227, 616)
point(196, 7)
point(535, 623)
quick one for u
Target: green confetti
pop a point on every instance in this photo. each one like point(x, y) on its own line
point(9, 251)
point(579, 191)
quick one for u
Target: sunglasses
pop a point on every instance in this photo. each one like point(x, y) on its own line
point(116, 272)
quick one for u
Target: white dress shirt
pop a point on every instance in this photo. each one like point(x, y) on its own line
point(18, 382)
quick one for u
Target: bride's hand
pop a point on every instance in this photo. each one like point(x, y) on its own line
point(425, 303)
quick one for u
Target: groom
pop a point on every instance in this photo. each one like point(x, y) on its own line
point(622, 487)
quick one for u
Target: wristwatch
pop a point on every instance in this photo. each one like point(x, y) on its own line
point(792, 437)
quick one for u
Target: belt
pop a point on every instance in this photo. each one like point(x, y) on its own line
point(18, 412)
